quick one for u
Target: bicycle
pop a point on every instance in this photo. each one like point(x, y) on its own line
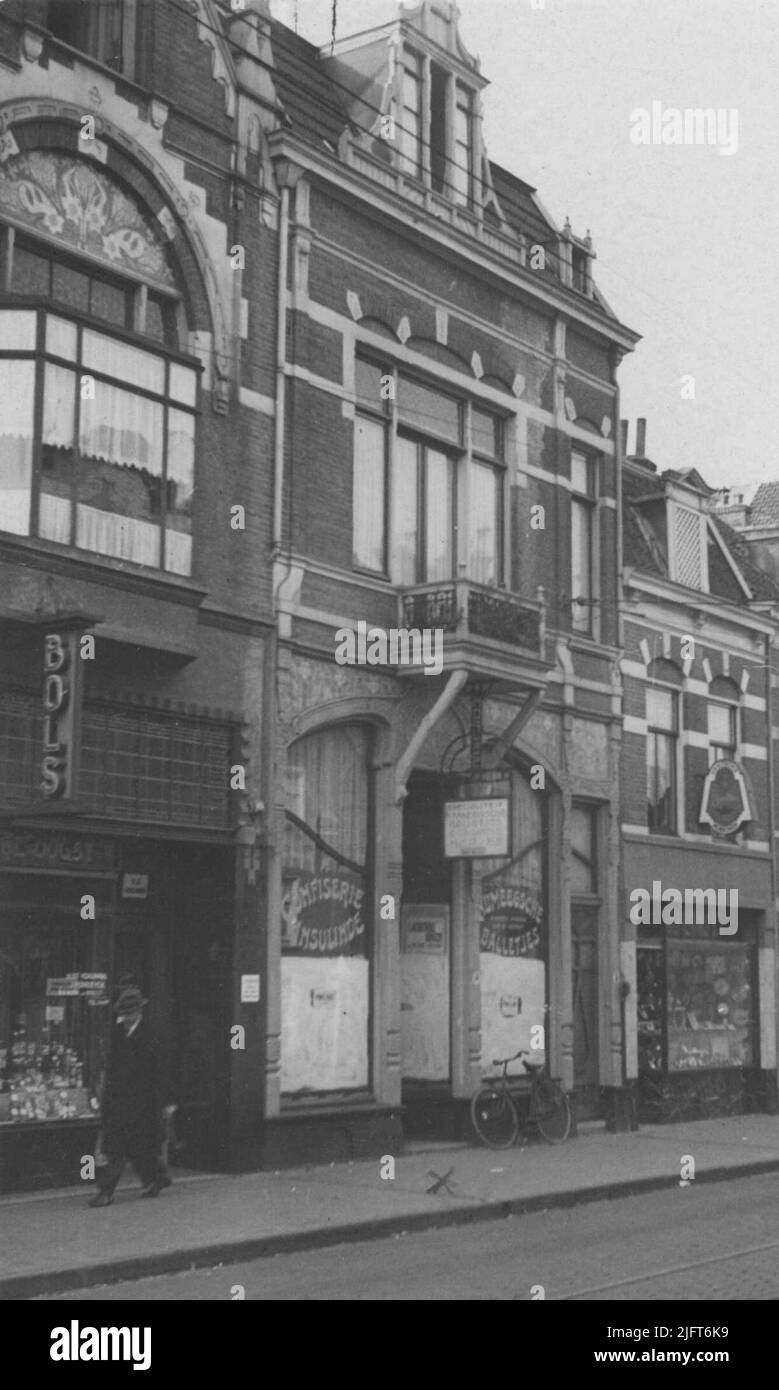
point(495, 1113)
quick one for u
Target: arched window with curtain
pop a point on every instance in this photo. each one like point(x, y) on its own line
point(97, 400)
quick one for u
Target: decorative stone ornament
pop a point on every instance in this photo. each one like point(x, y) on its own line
point(71, 200)
point(32, 45)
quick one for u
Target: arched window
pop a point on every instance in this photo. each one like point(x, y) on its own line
point(723, 721)
point(97, 402)
point(662, 746)
point(325, 927)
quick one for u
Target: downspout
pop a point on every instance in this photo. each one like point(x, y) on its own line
point(771, 805)
point(283, 175)
point(771, 823)
point(444, 702)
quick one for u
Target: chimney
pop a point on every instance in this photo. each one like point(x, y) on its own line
point(624, 426)
point(641, 439)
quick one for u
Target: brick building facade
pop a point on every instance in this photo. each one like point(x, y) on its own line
point(137, 360)
point(698, 801)
point(449, 463)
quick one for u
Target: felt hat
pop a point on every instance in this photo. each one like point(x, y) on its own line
point(130, 1001)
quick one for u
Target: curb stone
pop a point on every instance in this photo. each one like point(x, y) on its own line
point(27, 1286)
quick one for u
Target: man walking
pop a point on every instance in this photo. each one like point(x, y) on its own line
point(131, 1109)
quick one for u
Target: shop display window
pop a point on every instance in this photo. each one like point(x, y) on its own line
point(710, 1005)
point(53, 1023)
point(650, 1009)
point(696, 1004)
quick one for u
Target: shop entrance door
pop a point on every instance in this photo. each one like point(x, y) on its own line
point(425, 940)
point(586, 1079)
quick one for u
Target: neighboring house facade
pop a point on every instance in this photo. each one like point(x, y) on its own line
point(448, 464)
point(699, 623)
point(137, 371)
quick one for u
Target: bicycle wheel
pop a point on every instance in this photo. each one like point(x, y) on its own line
point(552, 1112)
point(494, 1117)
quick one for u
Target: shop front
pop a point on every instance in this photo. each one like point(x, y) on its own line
point(697, 1021)
point(474, 939)
point(81, 915)
point(704, 1016)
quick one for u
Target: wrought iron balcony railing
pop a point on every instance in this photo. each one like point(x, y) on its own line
point(468, 610)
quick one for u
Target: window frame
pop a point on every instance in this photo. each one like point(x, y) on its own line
point(91, 36)
point(591, 811)
point(497, 462)
point(673, 735)
point(40, 357)
point(463, 104)
point(457, 95)
point(137, 290)
point(584, 504)
point(732, 748)
point(463, 456)
point(381, 414)
point(412, 67)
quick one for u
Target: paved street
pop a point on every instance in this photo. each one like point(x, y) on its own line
point(717, 1241)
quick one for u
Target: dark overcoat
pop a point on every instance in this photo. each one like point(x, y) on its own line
point(132, 1102)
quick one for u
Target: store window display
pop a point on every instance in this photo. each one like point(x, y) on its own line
point(53, 1009)
point(697, 1000)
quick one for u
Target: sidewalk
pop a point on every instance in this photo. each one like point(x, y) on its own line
point(53, 1241)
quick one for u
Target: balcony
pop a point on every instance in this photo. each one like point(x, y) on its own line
point(491, 633)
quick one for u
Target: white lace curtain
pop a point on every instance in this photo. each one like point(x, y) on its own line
point(329, 791)
point(17, 393)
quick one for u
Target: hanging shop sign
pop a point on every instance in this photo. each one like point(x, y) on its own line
point(476, 829)
point(61, 710)
point(322, 914)
point(725, 801)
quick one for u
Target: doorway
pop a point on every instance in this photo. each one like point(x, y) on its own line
point(584, 949)
point(425, 936)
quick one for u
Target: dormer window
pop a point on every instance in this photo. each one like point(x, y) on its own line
point(411, 117)
point(436, 137)
point(687, 547)
point(463, 147)
point(580, 269)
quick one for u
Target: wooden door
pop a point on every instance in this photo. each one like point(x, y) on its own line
point(584, 932)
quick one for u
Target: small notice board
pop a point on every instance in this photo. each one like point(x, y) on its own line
point(476, 829)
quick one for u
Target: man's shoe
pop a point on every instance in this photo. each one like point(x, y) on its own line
point(101, 1199)
point(154, 1189)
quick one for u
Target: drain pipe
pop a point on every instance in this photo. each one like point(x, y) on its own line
point(444, 702)
point(287, 175)
point(281, 356)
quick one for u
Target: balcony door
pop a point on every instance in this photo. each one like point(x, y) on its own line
point(424, 542)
